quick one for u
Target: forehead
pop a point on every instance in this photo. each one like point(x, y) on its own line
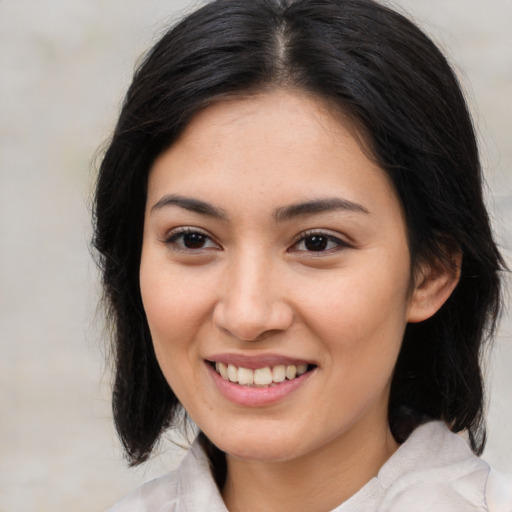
point(275, 147)
point(302, 114)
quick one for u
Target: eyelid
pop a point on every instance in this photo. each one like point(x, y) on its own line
point(172, 235)
point(338, 239)
point(183, 230)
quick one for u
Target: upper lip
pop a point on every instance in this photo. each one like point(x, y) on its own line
point(256, 361)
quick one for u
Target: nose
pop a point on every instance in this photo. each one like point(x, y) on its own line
point(252, 302)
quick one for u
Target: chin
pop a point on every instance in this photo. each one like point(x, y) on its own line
point(258, 447)
point(262, 453)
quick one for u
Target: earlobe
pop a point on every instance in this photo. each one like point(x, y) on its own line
point(434, 283)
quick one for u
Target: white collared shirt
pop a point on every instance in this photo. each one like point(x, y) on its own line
point(433, 471)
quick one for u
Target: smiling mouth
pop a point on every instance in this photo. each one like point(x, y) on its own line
point(267, 376)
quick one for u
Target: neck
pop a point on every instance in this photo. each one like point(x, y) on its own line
point(319, 480)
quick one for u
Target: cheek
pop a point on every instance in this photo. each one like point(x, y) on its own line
point(357, 316)
point(169, 315)
point(165, 313)
point(173, 300)
point(358, 302)
point(177, 303)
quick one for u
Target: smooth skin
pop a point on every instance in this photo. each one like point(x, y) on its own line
point(268, 230)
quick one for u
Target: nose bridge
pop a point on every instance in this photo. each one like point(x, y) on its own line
point(251, 303)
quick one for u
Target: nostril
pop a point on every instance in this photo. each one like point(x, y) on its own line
point(250, 321)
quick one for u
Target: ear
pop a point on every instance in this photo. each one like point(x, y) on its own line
point(434, 282)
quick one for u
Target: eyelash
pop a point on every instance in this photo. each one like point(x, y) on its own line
point(324, 239)
point(175, 235)
point(328, 238)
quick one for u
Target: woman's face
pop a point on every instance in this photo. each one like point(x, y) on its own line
point(275, 250)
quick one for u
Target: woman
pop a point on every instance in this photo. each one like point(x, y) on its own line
point(295, 251)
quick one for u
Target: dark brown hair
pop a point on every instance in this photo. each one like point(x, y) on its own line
point(394, 83)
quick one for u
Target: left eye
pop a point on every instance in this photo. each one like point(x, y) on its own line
point(191, 240)
point(318, 242)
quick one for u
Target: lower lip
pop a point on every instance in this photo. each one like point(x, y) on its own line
point(256, 397)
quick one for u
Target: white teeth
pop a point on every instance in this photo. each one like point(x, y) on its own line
point(279, 373)
point(260, 376)
point(245, 376)
point(232, 373)
point(263, 376)
point(302, 369)
point(222, 369)
point(291, 371)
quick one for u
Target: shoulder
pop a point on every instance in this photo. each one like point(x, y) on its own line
point(499, 491)
point(437, 469)
point(189, 488)
point(154, 496)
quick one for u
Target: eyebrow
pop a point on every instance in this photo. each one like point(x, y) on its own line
point(190, 204)
point(284, 213)
point(316, 206)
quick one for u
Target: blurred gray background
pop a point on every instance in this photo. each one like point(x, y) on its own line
point(64, 67)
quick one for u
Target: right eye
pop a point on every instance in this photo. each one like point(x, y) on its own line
point(190, 239)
